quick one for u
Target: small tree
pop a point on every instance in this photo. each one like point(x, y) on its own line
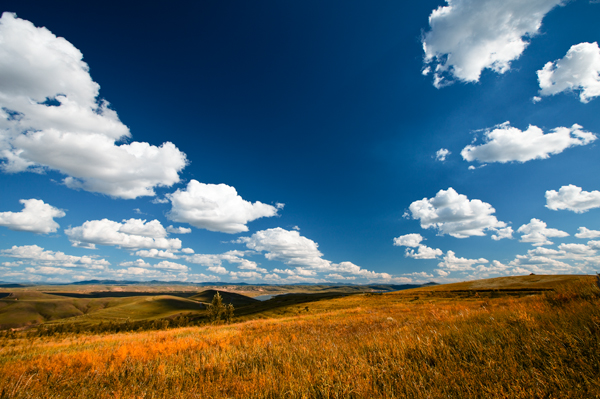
point(229, 313)
point(216, 308)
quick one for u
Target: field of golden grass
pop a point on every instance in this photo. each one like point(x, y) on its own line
point(413, 344)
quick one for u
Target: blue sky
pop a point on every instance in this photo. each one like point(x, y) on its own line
point(344, 142)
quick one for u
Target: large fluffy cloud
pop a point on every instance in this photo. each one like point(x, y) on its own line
point(37, 256)
point(288, 247)
point(454, 214)
point(505, 143)
point(51, 118)
point(572, 198)
point(468, 36)
point(579, 71)
point(293, 249)
point(130, 234)
point(215, 207)
point(36, 217)
point(536, 233)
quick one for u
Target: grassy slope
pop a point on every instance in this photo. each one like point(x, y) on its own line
point(357, 346)
point(531, 282)
point(30, 307)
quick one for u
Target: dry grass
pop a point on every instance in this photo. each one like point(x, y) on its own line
point(390, 345)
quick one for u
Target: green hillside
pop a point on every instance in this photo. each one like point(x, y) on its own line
point(236, 300)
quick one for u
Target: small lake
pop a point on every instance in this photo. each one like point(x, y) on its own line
point(264, 297)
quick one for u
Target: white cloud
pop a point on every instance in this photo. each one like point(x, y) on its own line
point(579, 71)
point(468, 36)
point(423, 252)
point(507, 144)
point(288, 247)
point(572, 198)
point(536, 233)
point(156, 254)
point(550, 261)
point(351, 268)
point(452, 263)
point(187, 250)
point(454, 214)
point(442, 273)
point(414, 240)
point(164, 265)
point(586, 233)
point(36, 217)
point(441, 154)
point(245, 275)
point(179, 230)
point(408, 240)
point(293, 249)
point(140, 227)
point(36, 255)
point(594, 244)
point(337, 276)
point(215, 207)
point(506, 232)
point(153, 273)
point(214, 262)
point(131, 234)
point(577, 249)
point(76, 135)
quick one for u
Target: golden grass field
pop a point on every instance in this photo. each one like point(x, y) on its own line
point(526, 337)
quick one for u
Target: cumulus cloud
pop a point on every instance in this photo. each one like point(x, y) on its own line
point(423, 252)
point(504, 143)
point(570, 258)
point(536, 233)
point(468, 36)
point(215, 207)
point(288, 247)
point(292, 249)
point(164, 265)
point(179, 230)
point(231, 257)
point(408, 240)
point(36, 217)
point(579, 71)
point(572, 198)
point(51, 118)
point(452, 263)
point(441, 154)
point(130, 234)
point(454, 214)
point(586, 233)
point(506, 232)
point(36, 255)
point(414, 240)
point(577, 249)
point(156, 254)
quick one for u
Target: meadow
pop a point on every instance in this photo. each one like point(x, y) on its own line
point(516, 337)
